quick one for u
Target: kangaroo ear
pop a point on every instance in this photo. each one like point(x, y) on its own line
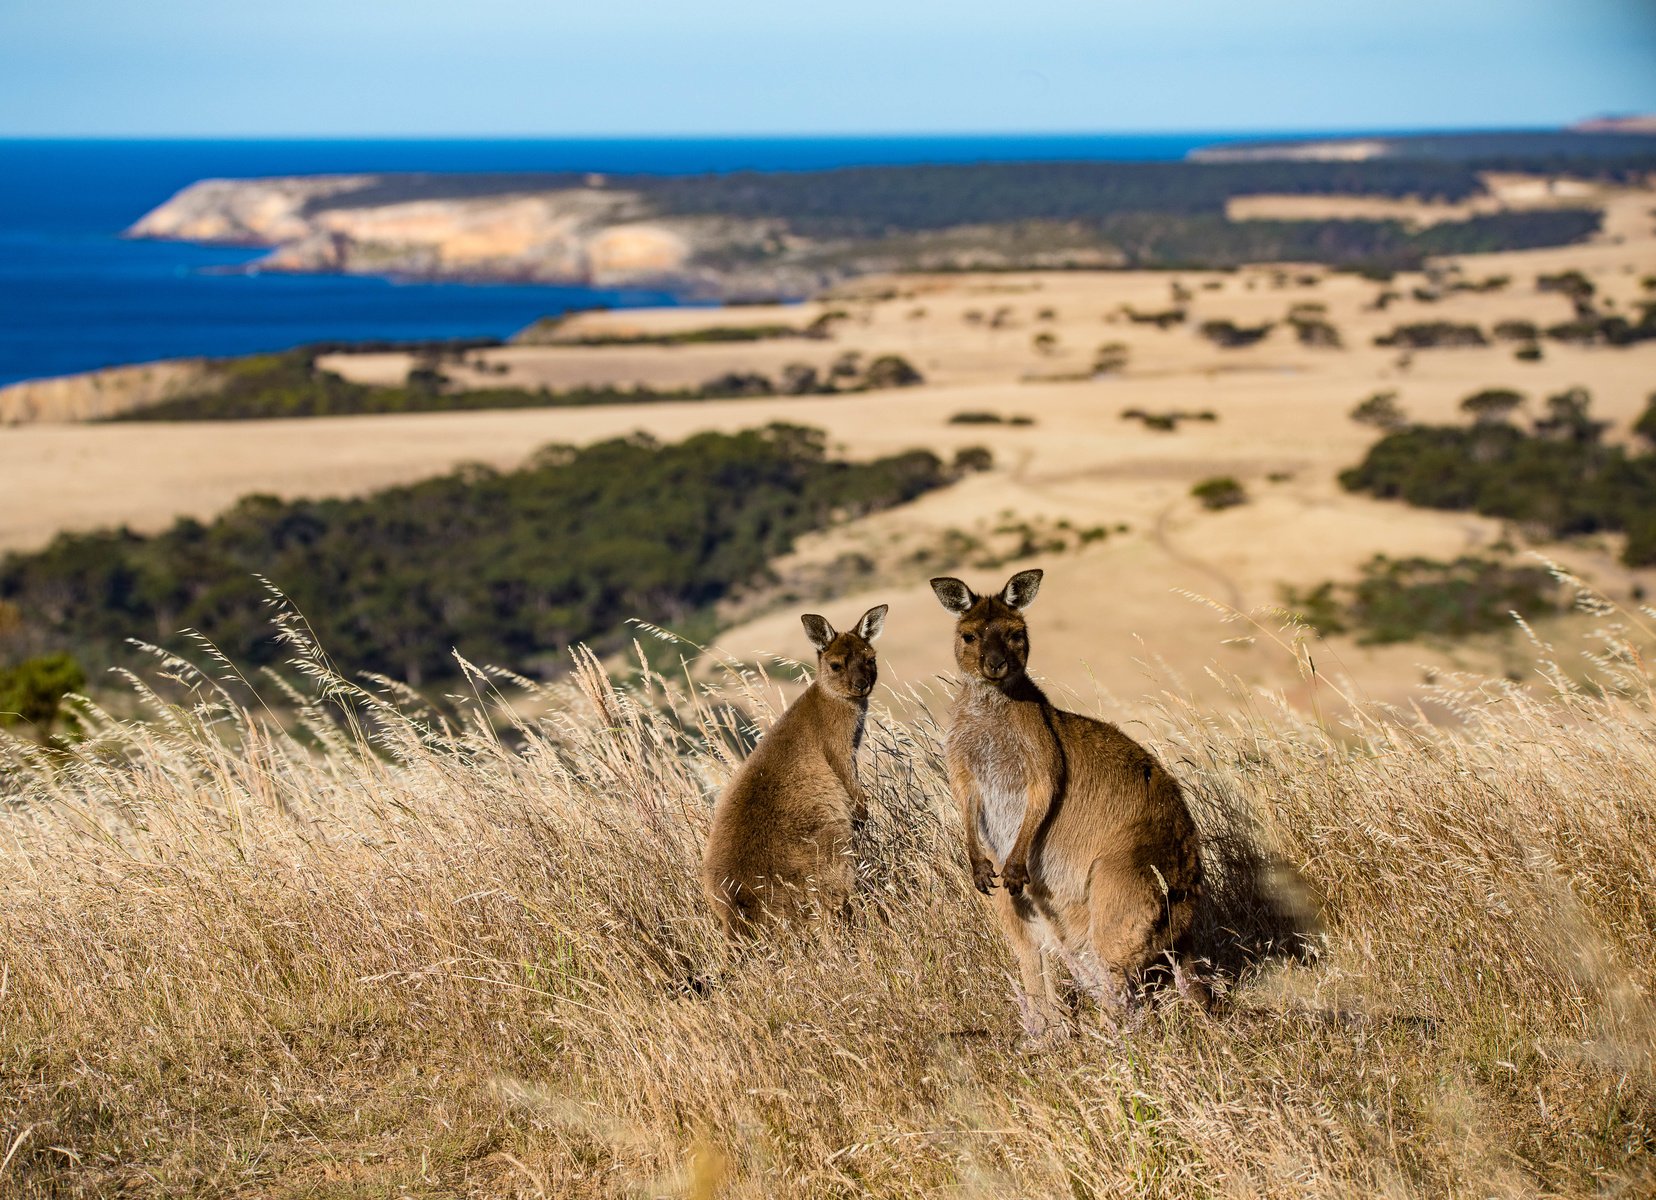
point(818, 630)
point(956, 596)
point(1021, 588)
point(872, 623)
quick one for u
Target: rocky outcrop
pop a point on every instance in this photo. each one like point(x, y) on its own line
point(243, 212)
point(1624, 123)
point(590, 235)
point(1333, 150)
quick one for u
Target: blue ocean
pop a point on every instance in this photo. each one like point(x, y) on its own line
point(75, 296)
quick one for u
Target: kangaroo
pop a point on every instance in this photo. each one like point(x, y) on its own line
point(781, 832)
point(1090, 835)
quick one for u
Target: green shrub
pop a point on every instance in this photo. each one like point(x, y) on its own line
point(1220, 491)
point(708, 335)
point(891, 371)
point(1492, 404)
point(1380, 410)
point(1110, 358)
point(1400, 600)
point(1645, 426)
point(1573, 284)
point(1230, 336)
point(1427, 335)
point(1167, 422)
point(1165, 319)
point(1559, 477)
point(1516, 331)
point(32, 691)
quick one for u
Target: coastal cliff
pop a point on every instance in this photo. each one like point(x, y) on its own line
point(788, 235)
point(586, 234)
point(99, 395)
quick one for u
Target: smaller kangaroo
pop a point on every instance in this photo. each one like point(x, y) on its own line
point(781, 836)
point(1090, 834)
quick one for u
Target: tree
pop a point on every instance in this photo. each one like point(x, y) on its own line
point(1380, 410)
point(1492, 405)
point(846, 367)
point(891, 371)
point(800, 379)
point(1567, 418)
point(1645, 426)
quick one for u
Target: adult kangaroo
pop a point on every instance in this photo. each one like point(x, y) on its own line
point(781, 836)
point(1090, 835)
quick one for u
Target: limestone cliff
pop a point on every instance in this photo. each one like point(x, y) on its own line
point(97, 395)
point(591, 235)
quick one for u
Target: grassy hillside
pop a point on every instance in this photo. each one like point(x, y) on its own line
point(414, 961)
point(503, 566)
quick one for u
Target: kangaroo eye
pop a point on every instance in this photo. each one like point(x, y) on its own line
point(835, 666)
point(968, 638)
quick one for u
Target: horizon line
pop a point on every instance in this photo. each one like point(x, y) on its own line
point(1332, 132)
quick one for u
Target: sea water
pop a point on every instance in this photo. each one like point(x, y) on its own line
point(75, 295)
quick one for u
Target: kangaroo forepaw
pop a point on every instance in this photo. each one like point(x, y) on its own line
point(1015, 876)
point(983, 876)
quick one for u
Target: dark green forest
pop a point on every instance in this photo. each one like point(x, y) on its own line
point(871, 201)
point(1554, 473)
point(1156, 213)
point(507, 567)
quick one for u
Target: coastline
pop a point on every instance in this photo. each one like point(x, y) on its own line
point(89, 298)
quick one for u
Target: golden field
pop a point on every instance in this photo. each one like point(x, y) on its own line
point(388, 957)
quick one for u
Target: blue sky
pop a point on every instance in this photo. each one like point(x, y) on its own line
point(545, 67)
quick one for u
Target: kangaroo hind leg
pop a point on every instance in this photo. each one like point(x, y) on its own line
point(1043, 1015)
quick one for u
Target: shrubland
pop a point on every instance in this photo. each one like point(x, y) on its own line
point(512, 566)
point(290, 384)
point(1554, 473)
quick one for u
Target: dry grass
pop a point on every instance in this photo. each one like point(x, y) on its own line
point(381, 954)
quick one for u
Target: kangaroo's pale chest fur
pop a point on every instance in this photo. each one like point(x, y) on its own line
point(991, 746)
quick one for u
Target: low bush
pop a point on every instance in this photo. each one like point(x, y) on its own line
point(1169, 421)
point(1428, 335)
point(32, 692)
point(985, 417)
point(1220, 491)
point(1230, 336)
point(1409, 599)
point(1380, 410)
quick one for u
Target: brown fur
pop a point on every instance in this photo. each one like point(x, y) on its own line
point(1090, 835)
point(781, 837)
